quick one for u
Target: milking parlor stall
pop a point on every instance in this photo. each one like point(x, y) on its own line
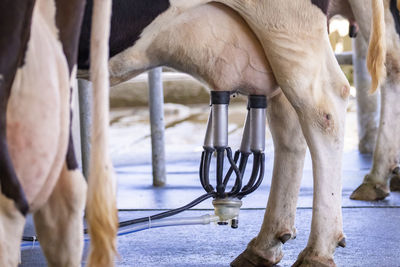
point(240, 136)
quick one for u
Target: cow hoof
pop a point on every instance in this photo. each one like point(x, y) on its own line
point(249, 259)
point(254, 256)
point(395, 184)
point(370, 192)
point(313, 262)
point(310, 259)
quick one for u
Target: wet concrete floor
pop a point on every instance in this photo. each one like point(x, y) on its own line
point(372, 228)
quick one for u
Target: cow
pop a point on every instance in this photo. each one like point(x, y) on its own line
point(386, 153)
point(308, 109)
point(235, 60)
point(375, 184)
point(39, 174)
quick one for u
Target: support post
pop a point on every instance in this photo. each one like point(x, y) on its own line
point(156, 106)
point(85, 104)
point(345, 58)
point(367, 104)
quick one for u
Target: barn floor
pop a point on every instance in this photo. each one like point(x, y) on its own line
point(372, 228)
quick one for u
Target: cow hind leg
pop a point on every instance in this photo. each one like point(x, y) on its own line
point(323, 128)
point(386, 154)
point(11, 228)
point(278, 226)
point(321, 107)
point(367, 104)
point(59, 223)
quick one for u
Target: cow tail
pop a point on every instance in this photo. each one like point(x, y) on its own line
point(101, 212)
point(377, 46)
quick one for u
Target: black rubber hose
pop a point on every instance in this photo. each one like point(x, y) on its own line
point(254, 172)
point(220, 172)
point(243, 162)
point(169, 212)
point(206, 171)
point(201, 173)
point(151, 218)
point(230, 171)
point(242, 166)
point(238, 181)
point(259, 180)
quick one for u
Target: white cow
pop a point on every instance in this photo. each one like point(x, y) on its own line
point(294, 40)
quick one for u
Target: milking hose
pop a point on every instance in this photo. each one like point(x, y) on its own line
point(152, 221)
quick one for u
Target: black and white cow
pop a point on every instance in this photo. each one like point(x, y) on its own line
point(264, 45)
point(38, 171)
point(234, 61)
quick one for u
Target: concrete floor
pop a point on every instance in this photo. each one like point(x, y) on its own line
point(372, 228)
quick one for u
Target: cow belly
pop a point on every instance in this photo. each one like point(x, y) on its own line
point(37, 114)
point(211, 42)
point(216, 45)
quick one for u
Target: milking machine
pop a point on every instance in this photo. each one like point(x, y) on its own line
point(227, 193)
point(227, 197)
point(227, 203)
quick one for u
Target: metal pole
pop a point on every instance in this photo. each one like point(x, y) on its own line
point(344, 58)
point(367, 104)
point(85, 97)
point(156, 106)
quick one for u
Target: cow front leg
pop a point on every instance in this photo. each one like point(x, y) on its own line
point(11, 228)
point(59, 223)
point(323, 128)
point(307, 72)
point(278, 226)
point(320, 104)
point(386, 154)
